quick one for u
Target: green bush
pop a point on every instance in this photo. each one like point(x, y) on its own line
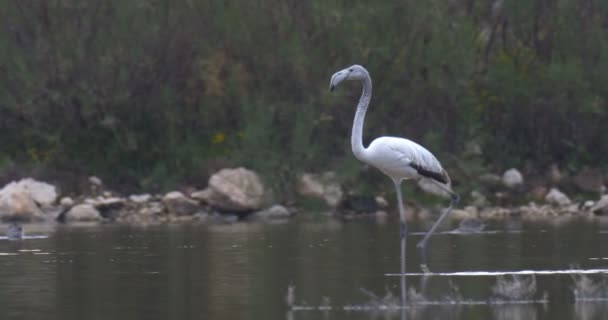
point(165, 91)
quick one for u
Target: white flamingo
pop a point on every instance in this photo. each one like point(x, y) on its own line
point(398, 158)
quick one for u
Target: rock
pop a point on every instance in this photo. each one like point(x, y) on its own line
point(538, 193)
point(41, 192)
point(66, 202)
point(16, 203)
point(382, 202)
point(478, 199)
point(178, 204)
point(588, 205)
point(109, 207)
point(495, 213)
point(512, 178)
point(601, 207)
point(469, 212)
point(274, 212)
point(490, 180)
point(234, 189)
point(140, 198)
point(109, 203)
point(589, 180)
point(322, 186)
point(95, 181)
point(557, 197)
point(82, 212)
point(151, 209)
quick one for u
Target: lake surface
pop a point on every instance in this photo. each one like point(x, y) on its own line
point(243, 270)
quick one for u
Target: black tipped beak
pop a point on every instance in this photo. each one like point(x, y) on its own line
point(331, 88)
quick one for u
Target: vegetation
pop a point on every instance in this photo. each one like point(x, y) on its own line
point(155, 93)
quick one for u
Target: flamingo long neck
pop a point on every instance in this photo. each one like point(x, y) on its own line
point(357, 134)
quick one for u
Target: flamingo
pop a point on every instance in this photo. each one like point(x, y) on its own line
point(398, 158)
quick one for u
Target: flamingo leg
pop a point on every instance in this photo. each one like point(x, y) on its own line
point(454, 198)
point(403, 235)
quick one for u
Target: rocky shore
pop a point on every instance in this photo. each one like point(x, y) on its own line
point(238, 194)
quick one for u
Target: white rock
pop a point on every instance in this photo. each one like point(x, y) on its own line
point(178, 204)
point(381, 202)
point(588, 205)
point(41, 192)
point(236, 189)
point(112, 203)
point(273, 212)
point(469, 212)
point(601, 207)
point(95, 181)
point(66, 202)
point(151, 209)
point(557, 197)
point(140, 198)
point(512, 178)
point(82, 212)
point(16, 202)
point(322, 186)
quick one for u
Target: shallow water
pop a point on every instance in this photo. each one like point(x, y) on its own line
point(243, 271)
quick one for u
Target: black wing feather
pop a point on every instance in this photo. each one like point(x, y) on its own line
point(437, 176)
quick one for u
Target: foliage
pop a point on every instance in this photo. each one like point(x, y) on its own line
point(163, 91)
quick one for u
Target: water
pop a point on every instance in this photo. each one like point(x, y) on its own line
point(243, 271)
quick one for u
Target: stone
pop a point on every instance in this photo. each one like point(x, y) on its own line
point(95, 181)
point(140, 198)
point(538, 193)
point(66, 202)
point(41, 192)
point(490, 180)
point(478, 199)
point(178, 204)
point(494, 213)
point(588, 205)
point(322, 186)
point(82, 212)
point(469, 212)
point(16, 203)
point(557, 197)
point(381, 202)
point(273, 212)
point(236, 189)
point(512, 178)
point(601, 207)
point(151, 209)
point(589, 180)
